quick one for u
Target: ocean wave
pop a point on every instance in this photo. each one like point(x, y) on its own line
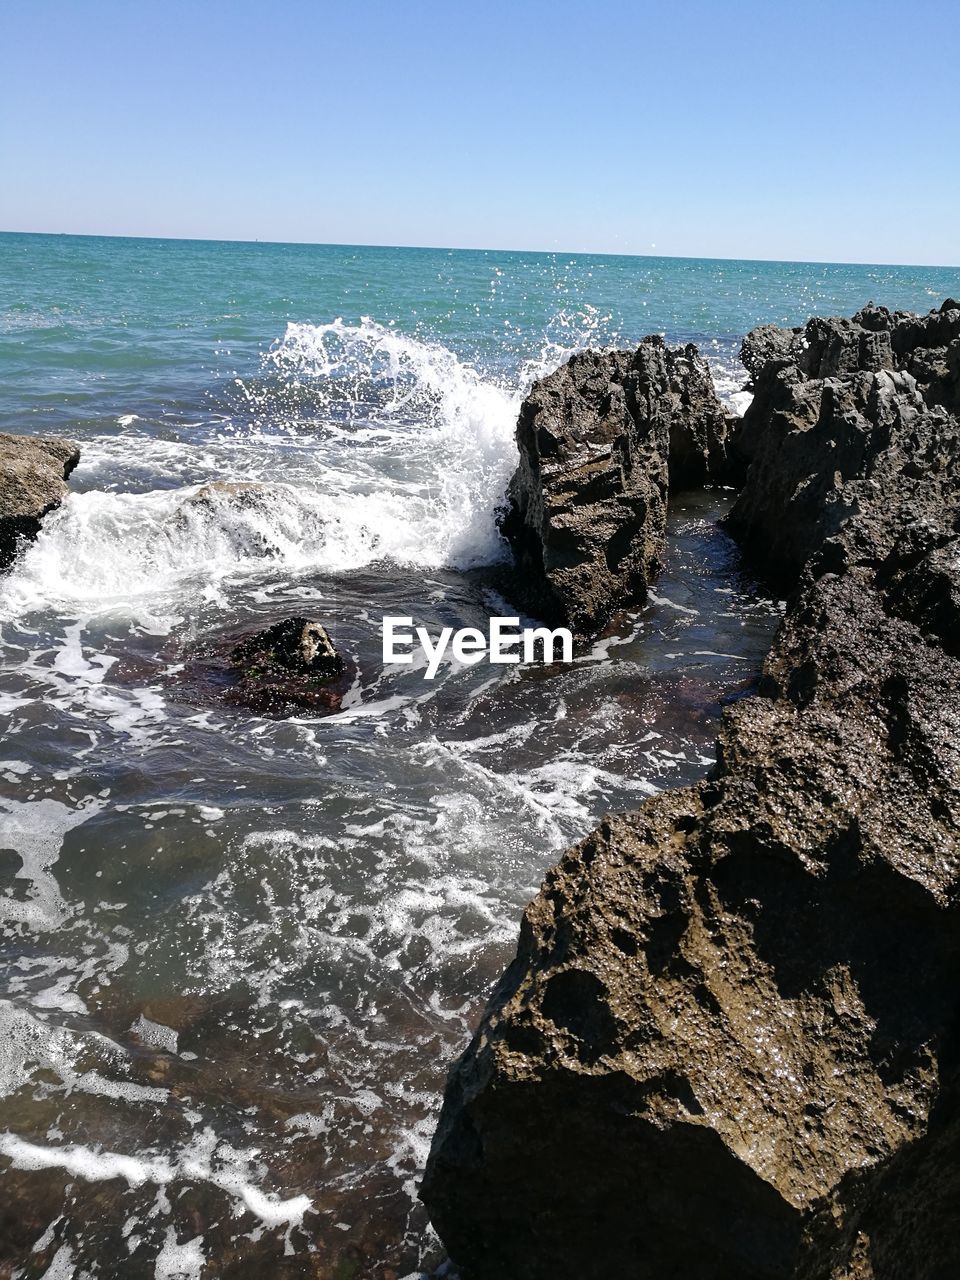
point(355, 443)
point(414, 454)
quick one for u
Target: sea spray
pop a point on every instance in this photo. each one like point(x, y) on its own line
point(414, 459)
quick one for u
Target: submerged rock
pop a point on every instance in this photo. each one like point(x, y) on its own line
point(248, 519)
point(295, 645)
point(600, 441)
point(728, 1044)
point(291, 667)
point(33, 471)
point(233, 495)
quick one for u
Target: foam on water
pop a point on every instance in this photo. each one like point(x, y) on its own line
point(205, 1160)
point(406, 455)
point(180, 1261)
point(35, 829)
point(356, 444)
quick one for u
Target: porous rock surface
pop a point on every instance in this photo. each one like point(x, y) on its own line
point(33, 474)
point(289, 668)
point(298, 645)
point(728, 1046)
point(811, 434)
point(600, 441)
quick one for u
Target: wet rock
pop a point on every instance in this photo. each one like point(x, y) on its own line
point(291, 667)
point(248, 517)
point(297, 645)
point(728, 1044)
point(600, 441)
point(33, 471)
point(233, 495)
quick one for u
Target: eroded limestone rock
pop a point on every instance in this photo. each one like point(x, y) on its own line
point(600, 441)
point(33, 474)
point(727, 1048)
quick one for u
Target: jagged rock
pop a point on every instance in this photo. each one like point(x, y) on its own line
point(781, 362)
point(819, 398)
point(875, 338)
point(298, 645)
point(728, 1046)
point(600, 440)
point(765, 345)
point(291, 667)
point(33, 471)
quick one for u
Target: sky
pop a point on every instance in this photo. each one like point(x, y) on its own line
point(751, 129)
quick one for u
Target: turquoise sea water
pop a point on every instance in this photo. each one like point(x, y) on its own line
point(93, 328)
point(238, 954)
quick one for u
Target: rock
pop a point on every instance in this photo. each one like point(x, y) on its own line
point(296, 645)
point(600, 440)
point(291, 667)
point(243, 519)
point(33, 471)
point(286, 668)
point(809, 432)
point(782, 362)
point(237, 495)
point(728, 1044)
point(765, 345)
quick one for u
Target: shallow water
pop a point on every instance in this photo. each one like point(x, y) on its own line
point(238, 954)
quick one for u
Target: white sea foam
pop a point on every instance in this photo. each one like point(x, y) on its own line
point(359, 443)
point(410, 452)
point(61, 1267)
point(729, 378)
point(35, 829)
point(180, 1261)
point(29, 1043)
point(204, 1160)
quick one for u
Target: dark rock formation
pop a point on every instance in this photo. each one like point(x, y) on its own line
point(728, 1047)
point(819, 457)
point(788, 368)
point(599, 441)
point(33, 470)
point(291, 667)
point(295, 646)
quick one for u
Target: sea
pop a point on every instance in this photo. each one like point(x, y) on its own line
point(238, 954)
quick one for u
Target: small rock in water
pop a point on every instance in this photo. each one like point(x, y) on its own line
point(292, 666)
point(286, 668)
point(296, 645)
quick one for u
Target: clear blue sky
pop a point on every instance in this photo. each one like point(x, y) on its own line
point(759, 128)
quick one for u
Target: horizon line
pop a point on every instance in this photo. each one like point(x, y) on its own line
point(425, 248)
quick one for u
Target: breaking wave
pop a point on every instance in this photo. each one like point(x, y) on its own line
point(355, 444)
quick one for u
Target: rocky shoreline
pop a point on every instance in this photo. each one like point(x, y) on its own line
point(727, 1045)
